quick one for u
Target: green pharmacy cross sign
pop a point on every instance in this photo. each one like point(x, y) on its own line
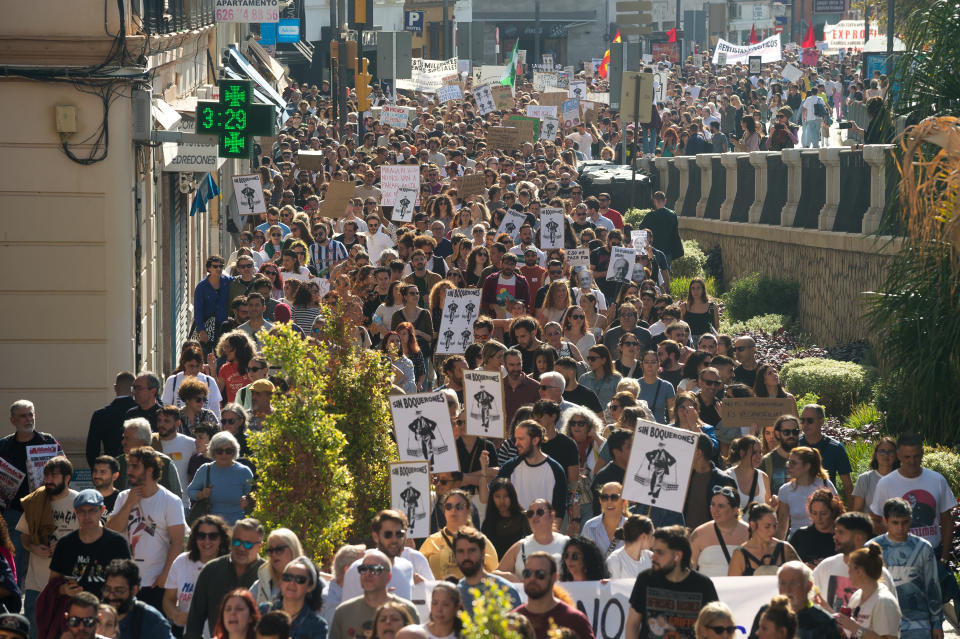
point(235, 118)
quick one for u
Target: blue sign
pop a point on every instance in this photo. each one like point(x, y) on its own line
point(413, 21)
point(268, 34)
point(288, 30)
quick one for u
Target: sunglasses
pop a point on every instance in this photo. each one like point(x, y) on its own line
point(275, 550)
point(246, 544)
point(711, 382)
point(576, 317)
point(218, 266)
point(457, 506)
point(224, 451)
point(211, 536)
point(610, 497)
point(723, 490)
point(373, 569)
point(86, 622)
point(244, 266)
point(254, 369)
point(790, 431)
point(808, 420)
point(612, 407)
point(593, 358)
point(539, 512)
point(539, 574)
point(573, 556)
point(300, 579)
point(631, 342)
point(389, 534)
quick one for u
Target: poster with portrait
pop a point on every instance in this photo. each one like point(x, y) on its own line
point(577, 89)
point(755, 63)
point(638, 240)
point(577, 257)
point(410, 495)
point(421, 422)
point(461, 308)
point(406, 198)
point(483, 401)
point(484, 98)
point(549, 128)
point(248, 193)
point(551, 228)
point(511, 224)
point(622, 260)
point(658, 473)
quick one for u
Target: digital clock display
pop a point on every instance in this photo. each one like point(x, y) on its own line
point(235, 118)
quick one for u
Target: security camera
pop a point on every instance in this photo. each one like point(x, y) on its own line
point(187, 184)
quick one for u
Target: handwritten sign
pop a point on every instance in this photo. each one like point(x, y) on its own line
point(577, 257)
point(449, 92)
point(529, 127)
point(502, 96)
point(505, 138)
point(473, 184)
point(392, 177)
point(571, 113)
point(394, 116)
point(744, 412)
point(540, 111)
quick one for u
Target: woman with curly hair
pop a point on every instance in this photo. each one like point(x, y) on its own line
point(814, 542)
point(477, 260)
point(582, 561)
point(209, 539)
point(238, 349)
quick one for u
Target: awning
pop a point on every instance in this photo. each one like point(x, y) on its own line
point(245, 70)
point(265, 59)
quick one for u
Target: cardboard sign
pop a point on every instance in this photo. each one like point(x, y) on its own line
point(577, 257)
point(551, 228)
point(541, 111)
point(529, 127)
point(502, 96)
point(505, 138)
point(392, 177)
point(449, 92)
point(744, 412)
point(588, 111)
point(547, 59)
point(553, 98)
point(658, 473)
point(339, 194)
point(424, 432)
point(393, 116)
point(473, 184)
point(248, 194)
point(461, 307)
point(571, 113)
point(311, 160)
point(484, 98)
point(410, 494)
point(483, 402)
point(406, 198)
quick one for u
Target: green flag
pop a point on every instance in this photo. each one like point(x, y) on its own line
point(511, 76)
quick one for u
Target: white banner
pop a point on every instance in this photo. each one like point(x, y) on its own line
point(395, 117)
point(848, 34)
point(658, 472)
point(606, 604)
point(424, 432)
point(392, 177)
point(410, 494)
point(483, 401)
point(768, 50)
point(427, 75)
point(551, 228)
point(541, 111)
point(461, 307)
point(247, 10)
point(248, 194)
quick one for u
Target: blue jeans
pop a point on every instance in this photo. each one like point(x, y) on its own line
point(21, 556)
point(649, 141)
point(811, 133)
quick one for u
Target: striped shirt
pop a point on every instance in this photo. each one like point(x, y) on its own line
point(325, 257)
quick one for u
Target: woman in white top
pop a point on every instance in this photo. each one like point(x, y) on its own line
point(576, 330)
point(383, 316)
point(712, 543)
point(883, 463)
point(209, 539)
point(556, 301)
point(583, 426)
point(753, 484)
point(544, 538)
point(600, 529)
point(553, 335)
point(445, 607)
point(191, 363)
point(806, 475)
point(634, 556)
point(875, 609)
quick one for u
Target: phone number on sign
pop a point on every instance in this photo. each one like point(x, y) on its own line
point(248, 14)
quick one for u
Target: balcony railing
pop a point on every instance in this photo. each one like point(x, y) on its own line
point(172, 16)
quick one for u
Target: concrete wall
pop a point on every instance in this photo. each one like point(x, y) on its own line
point(834, 270)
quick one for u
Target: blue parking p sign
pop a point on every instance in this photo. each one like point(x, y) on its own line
point(413, 21)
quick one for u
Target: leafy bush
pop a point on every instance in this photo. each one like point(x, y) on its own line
point(634, 217)
point(714, 264)
point(489, 617)
point(756, 294)
point(840, 385)
point(861, 416)
point(301, 435)
point(946, 462)
point(806, 398)
point(770, 323)
point(679, 286)
point(691, 264)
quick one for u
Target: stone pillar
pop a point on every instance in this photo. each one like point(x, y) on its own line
point(705, 162)
point(830, 158)
point(759, 161)
point(729, 162)
point(876, 155)
point(792, 158)
point(663, 166)
point(684, 168)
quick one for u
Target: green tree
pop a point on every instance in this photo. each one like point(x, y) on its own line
point(302, 482)
point(489, 620)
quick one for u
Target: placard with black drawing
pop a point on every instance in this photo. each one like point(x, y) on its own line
point(422, 425)
point(410, 494)
point(511, 224)
point(461, 308)
point(248, 193)
point(483, 401)
point(658, 472)
point(551, 228)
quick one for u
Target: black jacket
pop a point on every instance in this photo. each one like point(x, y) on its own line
point(106, 429)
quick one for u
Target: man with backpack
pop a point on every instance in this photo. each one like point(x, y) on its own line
point(813, 113)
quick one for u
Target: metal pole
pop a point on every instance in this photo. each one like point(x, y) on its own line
point(360, 127)
point(536, 32)
point(446, 29)
point(623, 131)
point(636, 136)
point(889, 33)
point(866, 23)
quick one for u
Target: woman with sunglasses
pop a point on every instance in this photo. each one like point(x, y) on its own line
point(282, 546)
point(712, 543)
point(634, 556)
point(583, 427)
point(763, 553)
point(543, 538)
point(601, 378)
point(553, 336)
point(301, 597)
point(224, 481)
point(658, 393)
point(193, 395)
point(695, 363)
point(209, 539)
point(576, 329)
point(383, 315)
point(190, 367)
point(807, 474)
point(601, 529)
point(582, 561)
point(210, 302)
point(438, 547)
point(419, 317)
point(716, 620)
point(883, 462)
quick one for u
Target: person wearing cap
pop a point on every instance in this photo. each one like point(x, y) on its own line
point(261, 391)
point(81, 557)
point(13, 626)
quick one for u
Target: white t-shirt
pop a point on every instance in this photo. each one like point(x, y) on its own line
point(420, 564)
point(401, 580)
point(302, 274)
point(584, 142)
point(796, 499)
point(832, 579)
point(452, 635)
point(623, 566)
point(879, 613)
point(147, 530)
point(182, 577)
point(64, 522)
point(928, 494)
point(180, 450)
point(533, 482)
point(808, 107)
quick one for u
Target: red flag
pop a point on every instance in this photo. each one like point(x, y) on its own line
point(602, 69)
point(753, 34)
point(809, 42)
point(616, 38)
point(672, 35)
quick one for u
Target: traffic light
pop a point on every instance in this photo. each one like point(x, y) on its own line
point(348, 50)
point(360, 13)
point(363, 88)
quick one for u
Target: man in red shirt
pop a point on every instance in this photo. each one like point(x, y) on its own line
point(539, 575)
point(533, 273)
point(611, 214)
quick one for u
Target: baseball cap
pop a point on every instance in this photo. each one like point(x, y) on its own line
point(262, 386)
point(17, 624)
point(88, 497)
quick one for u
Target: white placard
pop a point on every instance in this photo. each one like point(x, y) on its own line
point(511, 224)
point(248, 194)
point(551, 228)
point(488, 74)
point(698, 60)
point(247, 11)
point(427, 75)
point(405, 204)
point(410, 494)
point(449, 92)
point(544, 79)
point(768, 50)
point(658, 472)
point(622, 260)
point(791, 73)
point(595, 64)
point(424, 432)
point(392, 177)
point(37, 457)
point(10, 479)
point(541, 111)
point(395, 117)
point(461, 307)
point(547, 59)
point(577, 89)
point(484, 98)
point(577, 257)
point(602, 98)
point(483, 400)
point(549, 128)
point(571, 113)
point(638, 239)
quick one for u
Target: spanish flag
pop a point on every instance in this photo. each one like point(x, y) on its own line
point(602, 71)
